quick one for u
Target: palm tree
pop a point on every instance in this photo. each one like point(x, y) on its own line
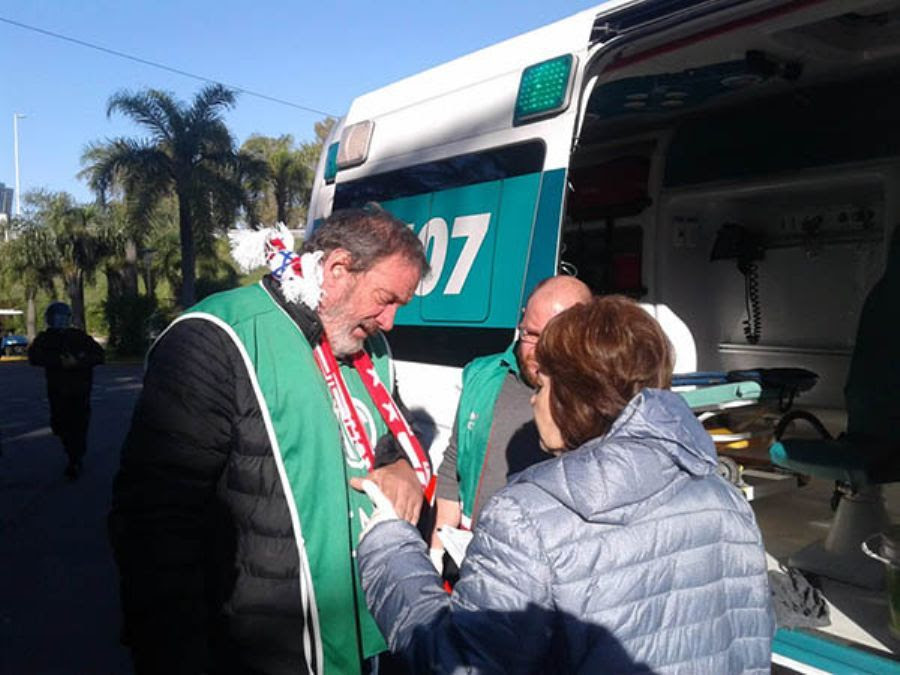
point(289, 180)
point(285, 170)
point(30, 258)
point(80, 247)
point(115, 231)
point(189, 152)
point(253, 174)
point(166, 258)
point(123, 232)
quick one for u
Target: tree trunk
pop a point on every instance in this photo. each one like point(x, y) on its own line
point(75, 291)
point(130, 273)
point(150, 281)
point(281, 208)
point(115, 282)
point(186, 234)
point(30, 314)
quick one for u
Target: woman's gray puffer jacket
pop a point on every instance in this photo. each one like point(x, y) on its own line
point(629, 554)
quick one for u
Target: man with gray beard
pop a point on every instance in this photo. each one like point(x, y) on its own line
point(233, 523)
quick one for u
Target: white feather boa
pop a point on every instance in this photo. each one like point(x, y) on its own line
point(273, 247)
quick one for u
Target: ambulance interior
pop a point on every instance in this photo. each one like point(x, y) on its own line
point(746, 185)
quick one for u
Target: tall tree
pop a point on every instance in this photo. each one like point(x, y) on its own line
point(30, 259)
point(190, 152)
point(322, 128)
point(123, 232)
point(253, 174)
point(80, 248)
point(286, 172)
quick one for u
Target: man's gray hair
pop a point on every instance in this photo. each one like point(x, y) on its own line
point(369, 234)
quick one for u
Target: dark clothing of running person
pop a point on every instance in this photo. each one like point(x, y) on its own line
point(69, 356)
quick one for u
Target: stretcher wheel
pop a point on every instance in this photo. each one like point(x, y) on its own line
point(729, 470)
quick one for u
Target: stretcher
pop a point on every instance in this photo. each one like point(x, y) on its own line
point(742, 410)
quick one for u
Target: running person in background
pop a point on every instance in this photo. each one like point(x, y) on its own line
point(68, 355)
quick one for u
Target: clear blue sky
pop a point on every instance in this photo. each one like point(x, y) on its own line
point(318, 54)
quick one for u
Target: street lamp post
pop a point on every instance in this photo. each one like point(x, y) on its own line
point(16, 118)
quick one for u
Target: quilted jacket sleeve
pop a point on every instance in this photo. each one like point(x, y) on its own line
point(499, 618)
point(164, 496)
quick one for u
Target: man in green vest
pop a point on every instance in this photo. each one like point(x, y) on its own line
point(494, 435)
point(233, 522)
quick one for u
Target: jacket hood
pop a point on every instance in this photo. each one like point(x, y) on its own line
point(652, 449)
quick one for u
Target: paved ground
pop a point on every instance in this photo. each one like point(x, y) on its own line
point(58, 583)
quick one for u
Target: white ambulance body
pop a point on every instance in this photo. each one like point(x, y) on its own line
point(732, 164)
point(669, 121)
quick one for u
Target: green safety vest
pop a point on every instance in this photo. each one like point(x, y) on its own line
point(314, 465)
point(482, 381)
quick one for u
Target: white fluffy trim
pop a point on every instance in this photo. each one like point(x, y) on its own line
point(251, 248)
point(257, 248)
point(308, 288)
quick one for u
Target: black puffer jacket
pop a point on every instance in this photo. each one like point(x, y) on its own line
point(199, 524)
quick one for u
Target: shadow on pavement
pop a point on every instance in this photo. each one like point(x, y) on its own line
point(59, 606)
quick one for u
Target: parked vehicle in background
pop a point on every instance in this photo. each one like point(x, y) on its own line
point(13, 345)
point(10, 343)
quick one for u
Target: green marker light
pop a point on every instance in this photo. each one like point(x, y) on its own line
point(544, 89)
point(331, 163)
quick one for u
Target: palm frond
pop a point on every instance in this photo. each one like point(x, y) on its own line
point(143, 108)
point(211, 101)
point(137, 161)
point(100, 173)
point(174, 112)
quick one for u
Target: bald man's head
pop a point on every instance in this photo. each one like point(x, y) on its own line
point(549, 298)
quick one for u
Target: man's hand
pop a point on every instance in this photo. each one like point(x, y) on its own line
point(449, 513)
point(399, 484)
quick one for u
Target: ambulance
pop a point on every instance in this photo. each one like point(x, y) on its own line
point(734, 165)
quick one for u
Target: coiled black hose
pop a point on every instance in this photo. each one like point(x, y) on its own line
point(753, 322)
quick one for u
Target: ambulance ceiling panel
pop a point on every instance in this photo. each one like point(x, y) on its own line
point(757, 61)
point(668, 92)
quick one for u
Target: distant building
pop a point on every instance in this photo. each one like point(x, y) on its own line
point(6, 206)
point(6, 201)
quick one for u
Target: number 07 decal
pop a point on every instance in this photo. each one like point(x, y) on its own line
point(474, 228)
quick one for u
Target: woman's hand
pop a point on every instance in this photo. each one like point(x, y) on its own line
point(383, 511)
point(399, 484)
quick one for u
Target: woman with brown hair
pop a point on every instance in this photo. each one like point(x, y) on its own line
point(627, 552)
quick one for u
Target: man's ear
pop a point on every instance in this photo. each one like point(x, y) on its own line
point(336, 268)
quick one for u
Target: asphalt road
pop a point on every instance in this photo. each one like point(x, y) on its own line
point(59, 606)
